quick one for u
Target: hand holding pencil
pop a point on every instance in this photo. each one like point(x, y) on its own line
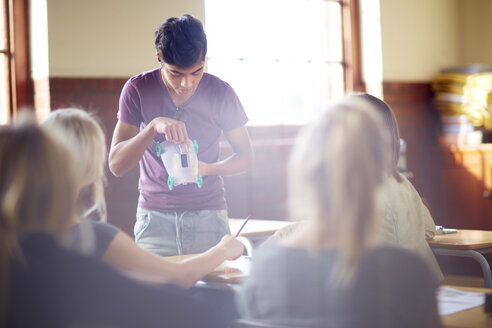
point(231, 245)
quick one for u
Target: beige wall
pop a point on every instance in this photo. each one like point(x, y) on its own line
point(476, 39)
point(108, 38)
point(114, 38)
point(418, 38)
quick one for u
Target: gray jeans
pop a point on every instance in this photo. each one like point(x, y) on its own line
point(181, 232)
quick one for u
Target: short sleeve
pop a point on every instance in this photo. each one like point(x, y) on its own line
point(92, 237)
point(232, 114)
point(105, 233)
point(129, 105)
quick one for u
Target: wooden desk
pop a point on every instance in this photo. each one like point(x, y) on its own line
point(466, 243)
point(255, 231)
point(474, 317)
point(257, 228)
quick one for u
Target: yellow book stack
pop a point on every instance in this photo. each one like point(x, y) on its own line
point(465, 94)
point(463, 97)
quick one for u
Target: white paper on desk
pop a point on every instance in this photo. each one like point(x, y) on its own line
point(231, 271)
point(242, 264)
point(451, 300)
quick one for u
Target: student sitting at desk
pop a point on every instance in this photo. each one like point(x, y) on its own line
point(331, 272)
point(42, 284)
point(406, 221)
point(105, 241)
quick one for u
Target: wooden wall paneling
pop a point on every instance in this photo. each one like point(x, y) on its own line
point(122, 197)
point(22, 62)
point(419, 127)
point(237, 187)
point(21, 83)
point(462, 190)
point(352, 46)
point(262, 192)
point(486, 193)
point(269, 181)
point(100, 96)
point(465, 175)
point(466, 183)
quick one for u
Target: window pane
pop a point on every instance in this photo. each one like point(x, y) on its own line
point(306, 29)
point(3, 22)
point(284, 67)
point(4, 91)
point(276, 92)
point(333, 19)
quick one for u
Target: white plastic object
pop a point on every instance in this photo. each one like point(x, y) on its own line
point(180, 162)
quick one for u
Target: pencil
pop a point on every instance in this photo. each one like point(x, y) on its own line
point(244, 223)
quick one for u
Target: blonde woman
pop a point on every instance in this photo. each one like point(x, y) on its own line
point(87, 142)
point(331, 272)
point(406, 220)
point(42, 283)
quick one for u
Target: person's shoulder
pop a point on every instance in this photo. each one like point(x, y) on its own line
point(393, 185)
point(272, 252)
point(144, 77)
point(211, 81)
point(96, 225)
point(407, 185)
point(105, 227)
point(403, 190)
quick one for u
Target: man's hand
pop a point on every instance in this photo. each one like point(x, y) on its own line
point(204, 168)
point(174, 130)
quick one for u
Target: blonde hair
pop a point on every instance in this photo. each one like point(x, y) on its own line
point(88, 143)
point(37, 189)
point(335, 171)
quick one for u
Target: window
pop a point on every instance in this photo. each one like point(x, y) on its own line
point(16, 90)
point(5, 96)
point(284, 58)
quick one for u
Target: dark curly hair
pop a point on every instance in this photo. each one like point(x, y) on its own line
point(181, 41)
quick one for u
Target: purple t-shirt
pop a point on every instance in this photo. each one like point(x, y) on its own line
point(213, 108)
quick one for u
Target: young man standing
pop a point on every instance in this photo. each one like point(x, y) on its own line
point(178, 102)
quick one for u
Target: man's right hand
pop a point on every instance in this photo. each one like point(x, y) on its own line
point(129, 142)
point(174, 130)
